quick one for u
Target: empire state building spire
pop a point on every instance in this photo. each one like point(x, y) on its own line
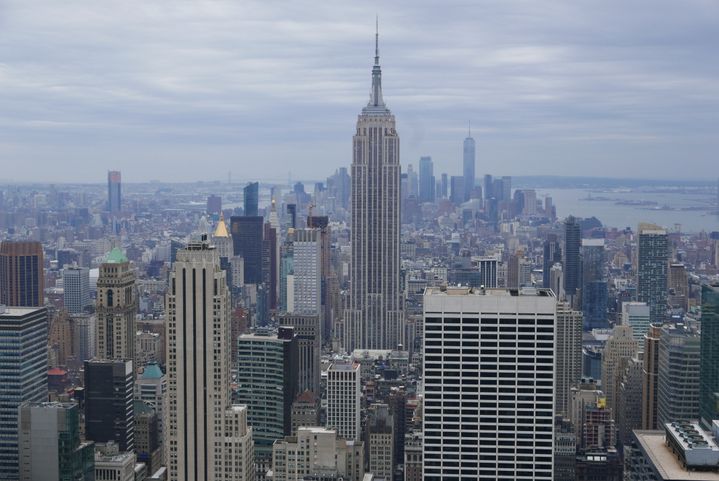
point(375, 318)
point(375, 98)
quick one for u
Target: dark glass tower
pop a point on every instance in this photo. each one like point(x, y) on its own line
point(252, 196)
point(595, 293)
point(426, 179)
point(653, 270)
point(572, 242)
point(114, 192)
point(247, 242)
point(709, 371)
point(109, 413)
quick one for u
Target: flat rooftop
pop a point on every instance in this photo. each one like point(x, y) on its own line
point(11, 311)
point(495, 292)
point(667, 463)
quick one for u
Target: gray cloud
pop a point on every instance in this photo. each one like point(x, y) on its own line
point(181, 90)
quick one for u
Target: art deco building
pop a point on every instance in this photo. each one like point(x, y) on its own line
point(206, 437)
point(116, 307)
point(375, 317)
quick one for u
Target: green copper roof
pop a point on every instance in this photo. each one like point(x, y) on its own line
point(116, 256)
point(152, 371)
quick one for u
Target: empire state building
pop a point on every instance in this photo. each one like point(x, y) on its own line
point(375, 317)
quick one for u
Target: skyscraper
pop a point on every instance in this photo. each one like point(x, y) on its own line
point(267, 377)
point(457, 189)
point(307, 264)
point(652, 269)
point(426, 179)
point(678, 379)
point(109, 390)
point(76, 288)
point(650, 372)
point(114, 192)
point(636, 315)
point(50, 444)
point(247, 242)
point(344, 398)
point(595, 293)
point(709, 371)
point(23, 373)
point(572, 266)
point(307, 329)
point(206, 437)
point(618, 350)
point(568, 367)
point(375, 319)
point(552, 255)
point(252, 196)
point(468, 165)
point(22, 279)
point(116, 307)
point(477, 383)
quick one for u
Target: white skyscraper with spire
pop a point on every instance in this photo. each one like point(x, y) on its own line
point(375, 317)
point(468, 164)
point(206, 437)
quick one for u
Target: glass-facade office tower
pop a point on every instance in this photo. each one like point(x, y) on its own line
point(247, 235)
point(375, 318)
point(76, 288)
point(252, 199)
point(652, 269)
point(114, 192)
point(207, 438)
point(267, 377)
point(22, 279)
point(468, 165)
point(595, 292)
point(489, 383)
point(23, 374)
point(109, 390)
point(678, 375)
point(572, 266)
point(50, 444)
point(426, 180)
point(709, 371)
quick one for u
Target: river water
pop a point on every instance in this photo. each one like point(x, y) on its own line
point(693, 212)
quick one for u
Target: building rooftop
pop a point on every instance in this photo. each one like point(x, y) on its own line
point(116, 256)
point(344, 366)
point(666, 463)
point(151, 371)
point(497, 292)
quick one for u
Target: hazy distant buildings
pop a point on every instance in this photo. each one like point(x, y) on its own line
point(375, 318)
point(468, 165)
point(22, 278)
point(114, 192)
point(214, 204)
point(426, 180)
point(471, 426)
point(456, 195)
point(252, 196)
point(652, 269)
point(23, 373)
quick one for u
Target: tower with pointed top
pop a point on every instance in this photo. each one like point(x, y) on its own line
point(468, 164)
point(375, 317)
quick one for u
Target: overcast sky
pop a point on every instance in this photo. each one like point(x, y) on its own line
point(190, 90)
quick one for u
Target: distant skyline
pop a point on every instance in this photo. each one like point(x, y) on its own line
point(185, 91)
